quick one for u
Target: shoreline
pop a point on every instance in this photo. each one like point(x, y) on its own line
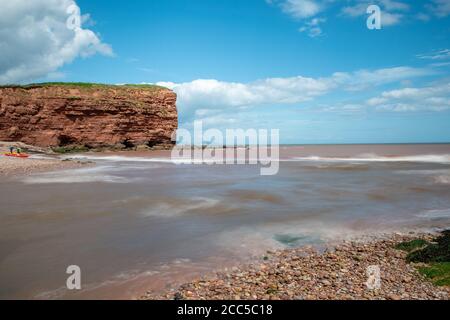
point(23, 167)
point(304, 273)
point(10, 167)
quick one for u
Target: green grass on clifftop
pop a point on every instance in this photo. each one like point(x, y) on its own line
point(84, 85)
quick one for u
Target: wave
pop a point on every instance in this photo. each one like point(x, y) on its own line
point(138, 159)
point(177, 161)
point(364, 158)
point(440, 159)
point(435, 214)
point(178, 207)
point(117, 158)
point(87, 175)
point(257, 196)
point(42, 157)
point(443, 179)
point(439, 176)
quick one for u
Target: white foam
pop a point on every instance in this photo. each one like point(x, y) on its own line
point(441, 159)
point(118, 159)
point(42, 157)
point(443, 179)
point(370, 157)
point(85, 175)
point(435, 214)
point(439, 176)
point(170, 209)
point(175, 160)
point(425, 172)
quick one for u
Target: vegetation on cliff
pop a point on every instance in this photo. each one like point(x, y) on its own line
point(74, 117)
point(84, 85)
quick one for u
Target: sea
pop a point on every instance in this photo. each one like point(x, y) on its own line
point(139, 222)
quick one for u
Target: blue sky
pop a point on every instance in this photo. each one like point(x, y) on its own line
point(310, 68)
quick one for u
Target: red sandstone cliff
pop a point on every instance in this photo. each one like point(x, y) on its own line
point(88, 115)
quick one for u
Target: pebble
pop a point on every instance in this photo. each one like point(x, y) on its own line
point(298, 274)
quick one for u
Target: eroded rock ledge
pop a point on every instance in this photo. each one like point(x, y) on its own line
point(88, 116)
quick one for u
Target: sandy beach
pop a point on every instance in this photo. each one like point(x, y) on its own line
point(16, 166)
point(337, 273)
point(9, 167)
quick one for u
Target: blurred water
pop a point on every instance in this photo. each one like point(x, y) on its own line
point(138, 221)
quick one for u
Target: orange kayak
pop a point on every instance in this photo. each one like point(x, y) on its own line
point(17, 155)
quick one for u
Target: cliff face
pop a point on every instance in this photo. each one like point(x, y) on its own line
point(88, 115)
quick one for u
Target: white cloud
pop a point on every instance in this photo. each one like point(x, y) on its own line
point(440, 8)
point(305, 9)
point(211, 94)
point(301, 8)
point(437, 55)
point(359, 7)
point(390, 19)
point(361, 79)
point(35, 40)
point(394, 5)
point(391, 11)
point(313, 27)
point(355, 10)
point(423, 17)
point(431, 98)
